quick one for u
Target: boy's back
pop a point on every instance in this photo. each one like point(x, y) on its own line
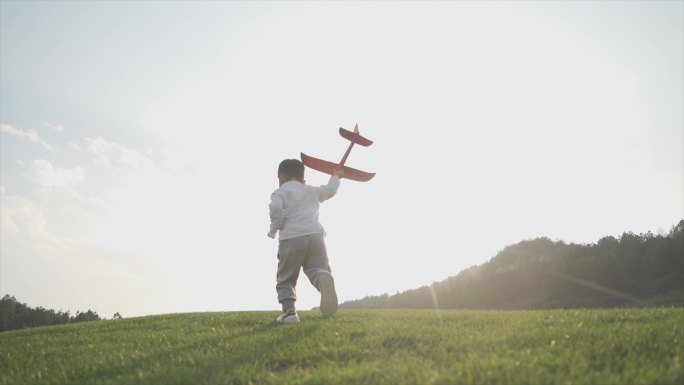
point(294, 207)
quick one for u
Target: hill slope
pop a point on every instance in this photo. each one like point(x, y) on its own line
point(634, 270)
point(355, 347)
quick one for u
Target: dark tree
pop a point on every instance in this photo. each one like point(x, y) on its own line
point(633, 270)
point(17, 315)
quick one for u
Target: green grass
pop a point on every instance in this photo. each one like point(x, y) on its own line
point(623, 346)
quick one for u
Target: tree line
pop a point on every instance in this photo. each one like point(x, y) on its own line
point(632, 270)
point(18, 315)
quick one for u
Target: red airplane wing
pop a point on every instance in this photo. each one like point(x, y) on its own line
point(329, 168)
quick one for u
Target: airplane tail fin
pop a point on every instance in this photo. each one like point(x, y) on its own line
point(355, 136)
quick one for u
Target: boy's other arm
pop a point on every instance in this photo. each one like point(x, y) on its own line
point(277, 215)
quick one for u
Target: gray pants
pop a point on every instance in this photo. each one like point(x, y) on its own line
point(307, 252)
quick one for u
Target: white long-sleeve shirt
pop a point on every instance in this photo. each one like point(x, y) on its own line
point(294, 208)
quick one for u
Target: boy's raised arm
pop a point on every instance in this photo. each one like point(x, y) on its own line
point(328, 191)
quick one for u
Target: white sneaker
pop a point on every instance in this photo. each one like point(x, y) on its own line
point(326, 285)
point(288, 317)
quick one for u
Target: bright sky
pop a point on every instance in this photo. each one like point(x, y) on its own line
point(140, 140)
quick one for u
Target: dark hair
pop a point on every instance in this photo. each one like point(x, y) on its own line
point(291, 168)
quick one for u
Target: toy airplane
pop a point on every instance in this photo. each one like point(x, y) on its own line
point(330, 167)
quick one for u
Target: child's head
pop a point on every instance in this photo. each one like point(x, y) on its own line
point(290, 169)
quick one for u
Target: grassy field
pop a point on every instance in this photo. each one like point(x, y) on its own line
point(622, 346)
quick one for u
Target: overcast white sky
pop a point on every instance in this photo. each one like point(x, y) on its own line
point(140, 140)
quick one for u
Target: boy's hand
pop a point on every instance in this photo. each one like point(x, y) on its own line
point(339, 173)
point(271, 234)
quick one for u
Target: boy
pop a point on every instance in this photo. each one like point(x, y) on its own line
point(294, 212)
